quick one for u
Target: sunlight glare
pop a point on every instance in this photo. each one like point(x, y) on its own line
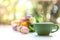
point(58, 20)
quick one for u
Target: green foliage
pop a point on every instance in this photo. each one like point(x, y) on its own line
point(39, 16)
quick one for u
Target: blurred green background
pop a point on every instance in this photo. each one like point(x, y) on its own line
point(16, 9)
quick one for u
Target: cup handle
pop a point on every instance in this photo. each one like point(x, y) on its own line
point(56, 28)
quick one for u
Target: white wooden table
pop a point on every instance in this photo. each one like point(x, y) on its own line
point(7, 33)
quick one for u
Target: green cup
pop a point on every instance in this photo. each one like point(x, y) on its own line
point(45, 28)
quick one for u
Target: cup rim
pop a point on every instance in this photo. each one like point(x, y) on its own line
point(44, 23)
